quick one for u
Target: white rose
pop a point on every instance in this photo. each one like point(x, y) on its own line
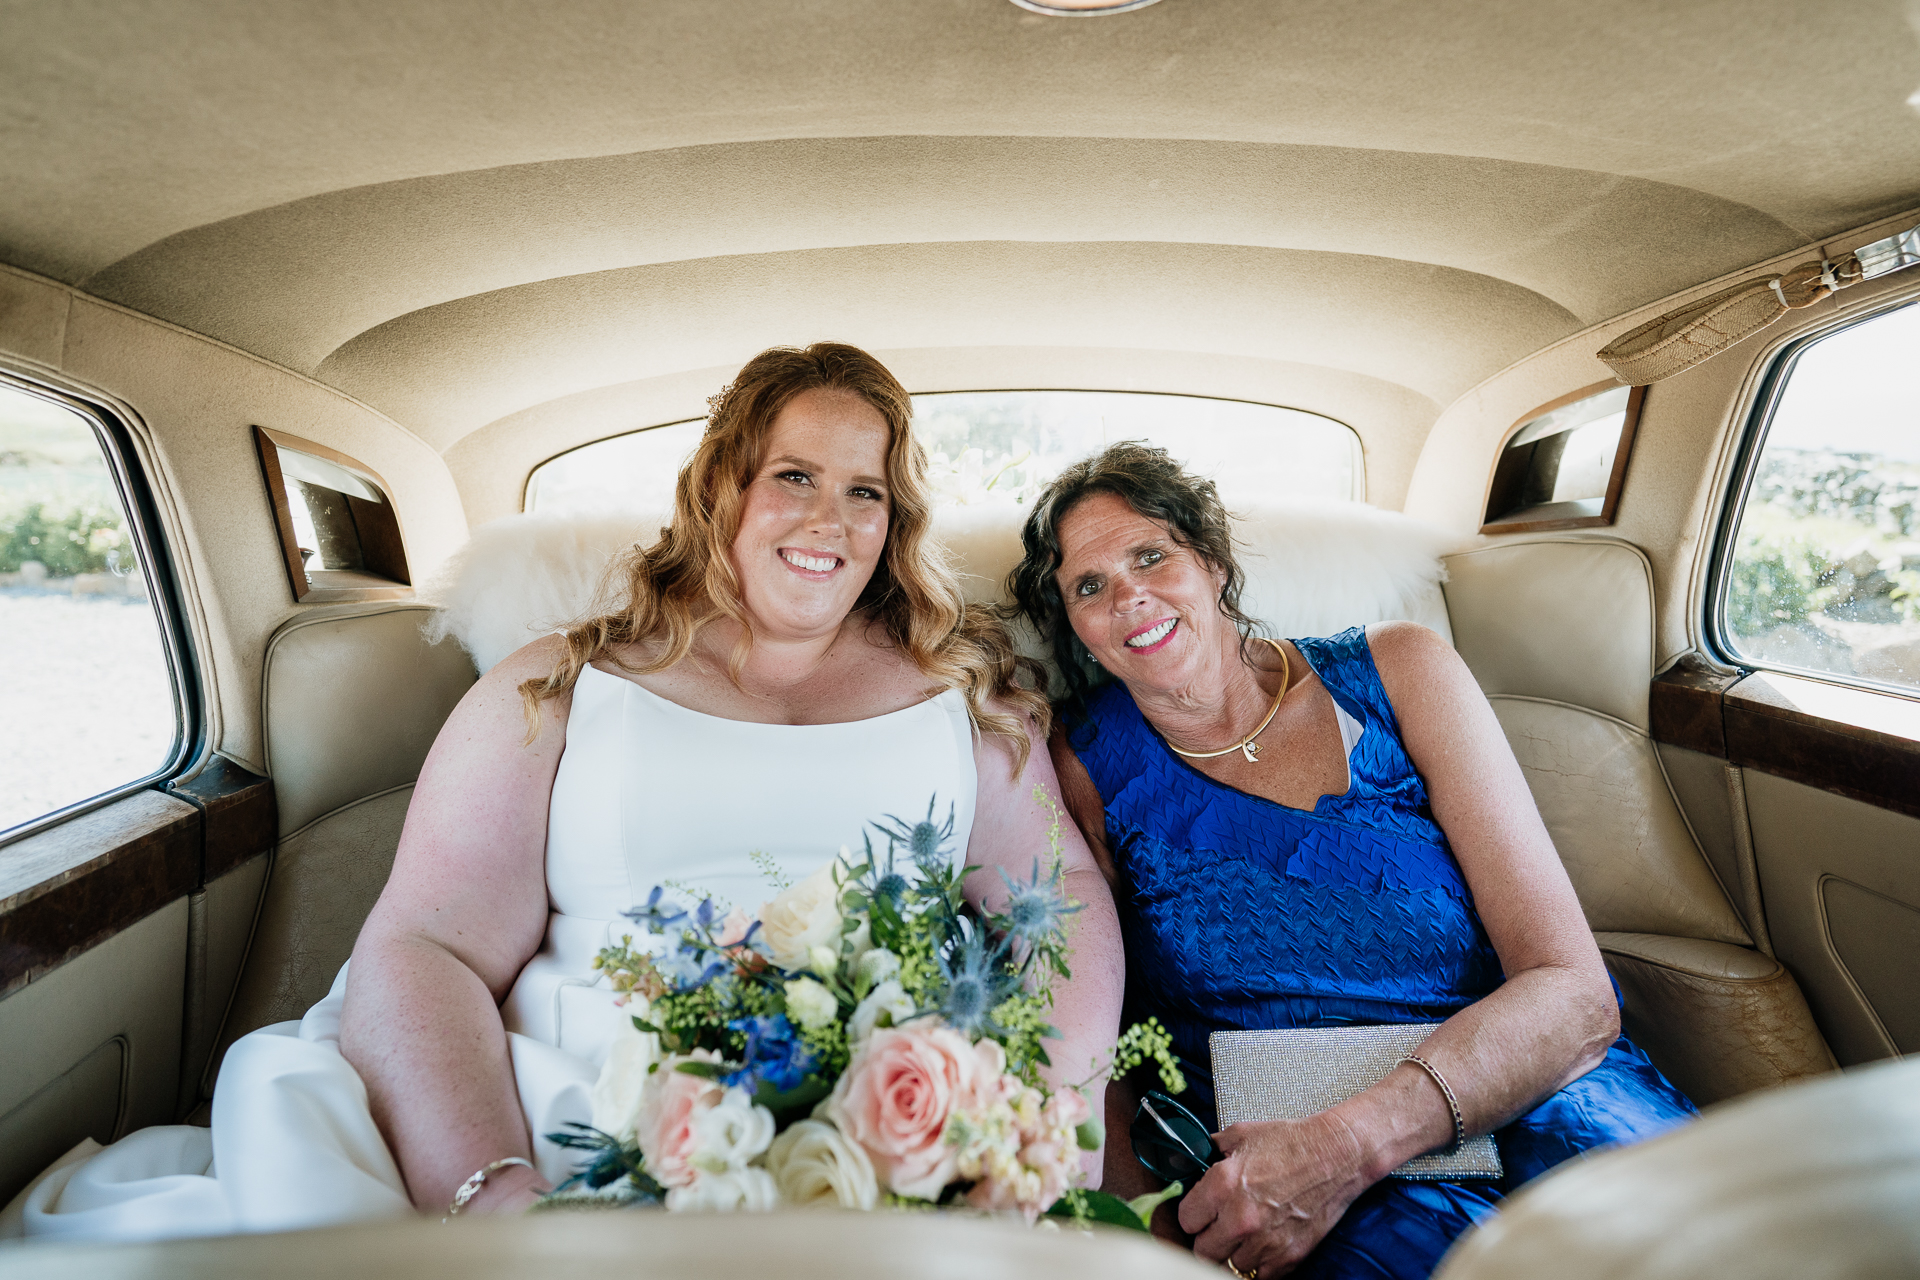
point(730, 1133)
point(814, 1164)
point(810, 1004)
point(889, 998)
point(877, 965)
point(803, 917)
point(736, 1191)
point(623, 1076)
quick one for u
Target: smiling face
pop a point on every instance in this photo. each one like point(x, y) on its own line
point(1147, 607)
point(813, 521)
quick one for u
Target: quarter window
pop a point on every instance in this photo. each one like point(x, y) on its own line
point(1822, 573)
point(88, 701)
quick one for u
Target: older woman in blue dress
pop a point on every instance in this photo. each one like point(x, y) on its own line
point(1315, 833)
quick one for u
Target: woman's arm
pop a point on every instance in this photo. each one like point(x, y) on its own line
point(464, 910)
point(1009, 832)
point(1284, 1184)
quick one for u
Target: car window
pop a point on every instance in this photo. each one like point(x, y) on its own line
point(992, 447)
point(88, 700)
point(1823, 570)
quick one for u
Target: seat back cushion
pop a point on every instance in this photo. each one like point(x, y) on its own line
point(1559, 633)
point(353, 698)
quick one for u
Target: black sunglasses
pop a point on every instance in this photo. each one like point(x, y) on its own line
point(1170, 1142)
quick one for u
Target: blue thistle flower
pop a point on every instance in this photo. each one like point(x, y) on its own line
point(974, 987)
point(925, 840)
point(1037, 908)
point(889, 884)
point(774, 1053)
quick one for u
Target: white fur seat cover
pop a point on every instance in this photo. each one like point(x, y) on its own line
point(1312, 568)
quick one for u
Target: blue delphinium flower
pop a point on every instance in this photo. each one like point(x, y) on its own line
point(656, 915)
point(974, 986)
point(691, 959)
point(1036, 909)
point(688, 966)
point(774, 1053)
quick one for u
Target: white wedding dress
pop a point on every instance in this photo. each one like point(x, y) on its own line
point(647, 793)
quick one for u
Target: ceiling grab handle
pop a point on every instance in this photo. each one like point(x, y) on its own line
point(1700, 330)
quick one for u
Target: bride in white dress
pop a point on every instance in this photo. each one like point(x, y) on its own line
point(794, 662)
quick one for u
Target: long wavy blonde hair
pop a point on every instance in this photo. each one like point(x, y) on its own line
point(687, 578)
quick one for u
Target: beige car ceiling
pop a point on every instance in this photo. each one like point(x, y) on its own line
point(518, 226)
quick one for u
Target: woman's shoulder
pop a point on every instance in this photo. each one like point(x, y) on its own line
point(535, 661)
point(1407, 649)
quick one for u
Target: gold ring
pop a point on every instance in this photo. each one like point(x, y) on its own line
point(1251, 1273)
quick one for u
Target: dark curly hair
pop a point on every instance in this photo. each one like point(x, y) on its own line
point(1151, 481)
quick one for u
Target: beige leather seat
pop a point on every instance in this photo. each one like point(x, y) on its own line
point(1559, 632)
point(352, 698)
point(1822, 1179)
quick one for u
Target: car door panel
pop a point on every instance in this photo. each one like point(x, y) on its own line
point(92, 1049)
point(1841, 880)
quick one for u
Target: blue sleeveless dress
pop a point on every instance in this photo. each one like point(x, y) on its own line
point(1243, 914)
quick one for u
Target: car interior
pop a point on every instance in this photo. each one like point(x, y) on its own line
point(341, 345)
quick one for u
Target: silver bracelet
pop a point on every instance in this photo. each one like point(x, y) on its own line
point(1453, 1103)
point(471, 1187)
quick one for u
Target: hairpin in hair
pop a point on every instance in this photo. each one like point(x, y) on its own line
point(716, 401)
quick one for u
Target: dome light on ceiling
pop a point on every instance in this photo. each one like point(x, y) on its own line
point(1082, 8)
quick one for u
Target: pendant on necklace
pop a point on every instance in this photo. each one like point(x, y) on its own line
point(1251, 750)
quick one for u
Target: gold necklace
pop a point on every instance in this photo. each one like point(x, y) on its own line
point(1247, 746)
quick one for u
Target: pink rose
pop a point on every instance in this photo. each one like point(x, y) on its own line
point(896, 1095)
point(664, 1127)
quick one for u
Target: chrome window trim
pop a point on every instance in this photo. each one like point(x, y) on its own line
point(1759, 420)
point(115, 439)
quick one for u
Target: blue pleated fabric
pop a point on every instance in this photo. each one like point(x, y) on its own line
point(1243, 914)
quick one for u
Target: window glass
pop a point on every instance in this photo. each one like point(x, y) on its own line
point(88, 700)
point(1824, 570)
point(1004, 446)
point(1001, 447)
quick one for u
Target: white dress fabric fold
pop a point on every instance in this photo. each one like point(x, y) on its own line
point(648, 793)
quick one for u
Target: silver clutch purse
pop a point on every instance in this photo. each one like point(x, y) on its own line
point(1290, 1075)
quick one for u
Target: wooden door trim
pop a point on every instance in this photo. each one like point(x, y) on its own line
point(68, 888)
point(1850, 741)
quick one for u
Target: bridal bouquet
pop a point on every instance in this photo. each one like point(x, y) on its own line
point(868, 1038)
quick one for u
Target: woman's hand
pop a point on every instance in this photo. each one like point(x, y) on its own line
point(1281, 1188)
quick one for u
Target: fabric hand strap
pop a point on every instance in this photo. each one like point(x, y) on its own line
point(1683, 338)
